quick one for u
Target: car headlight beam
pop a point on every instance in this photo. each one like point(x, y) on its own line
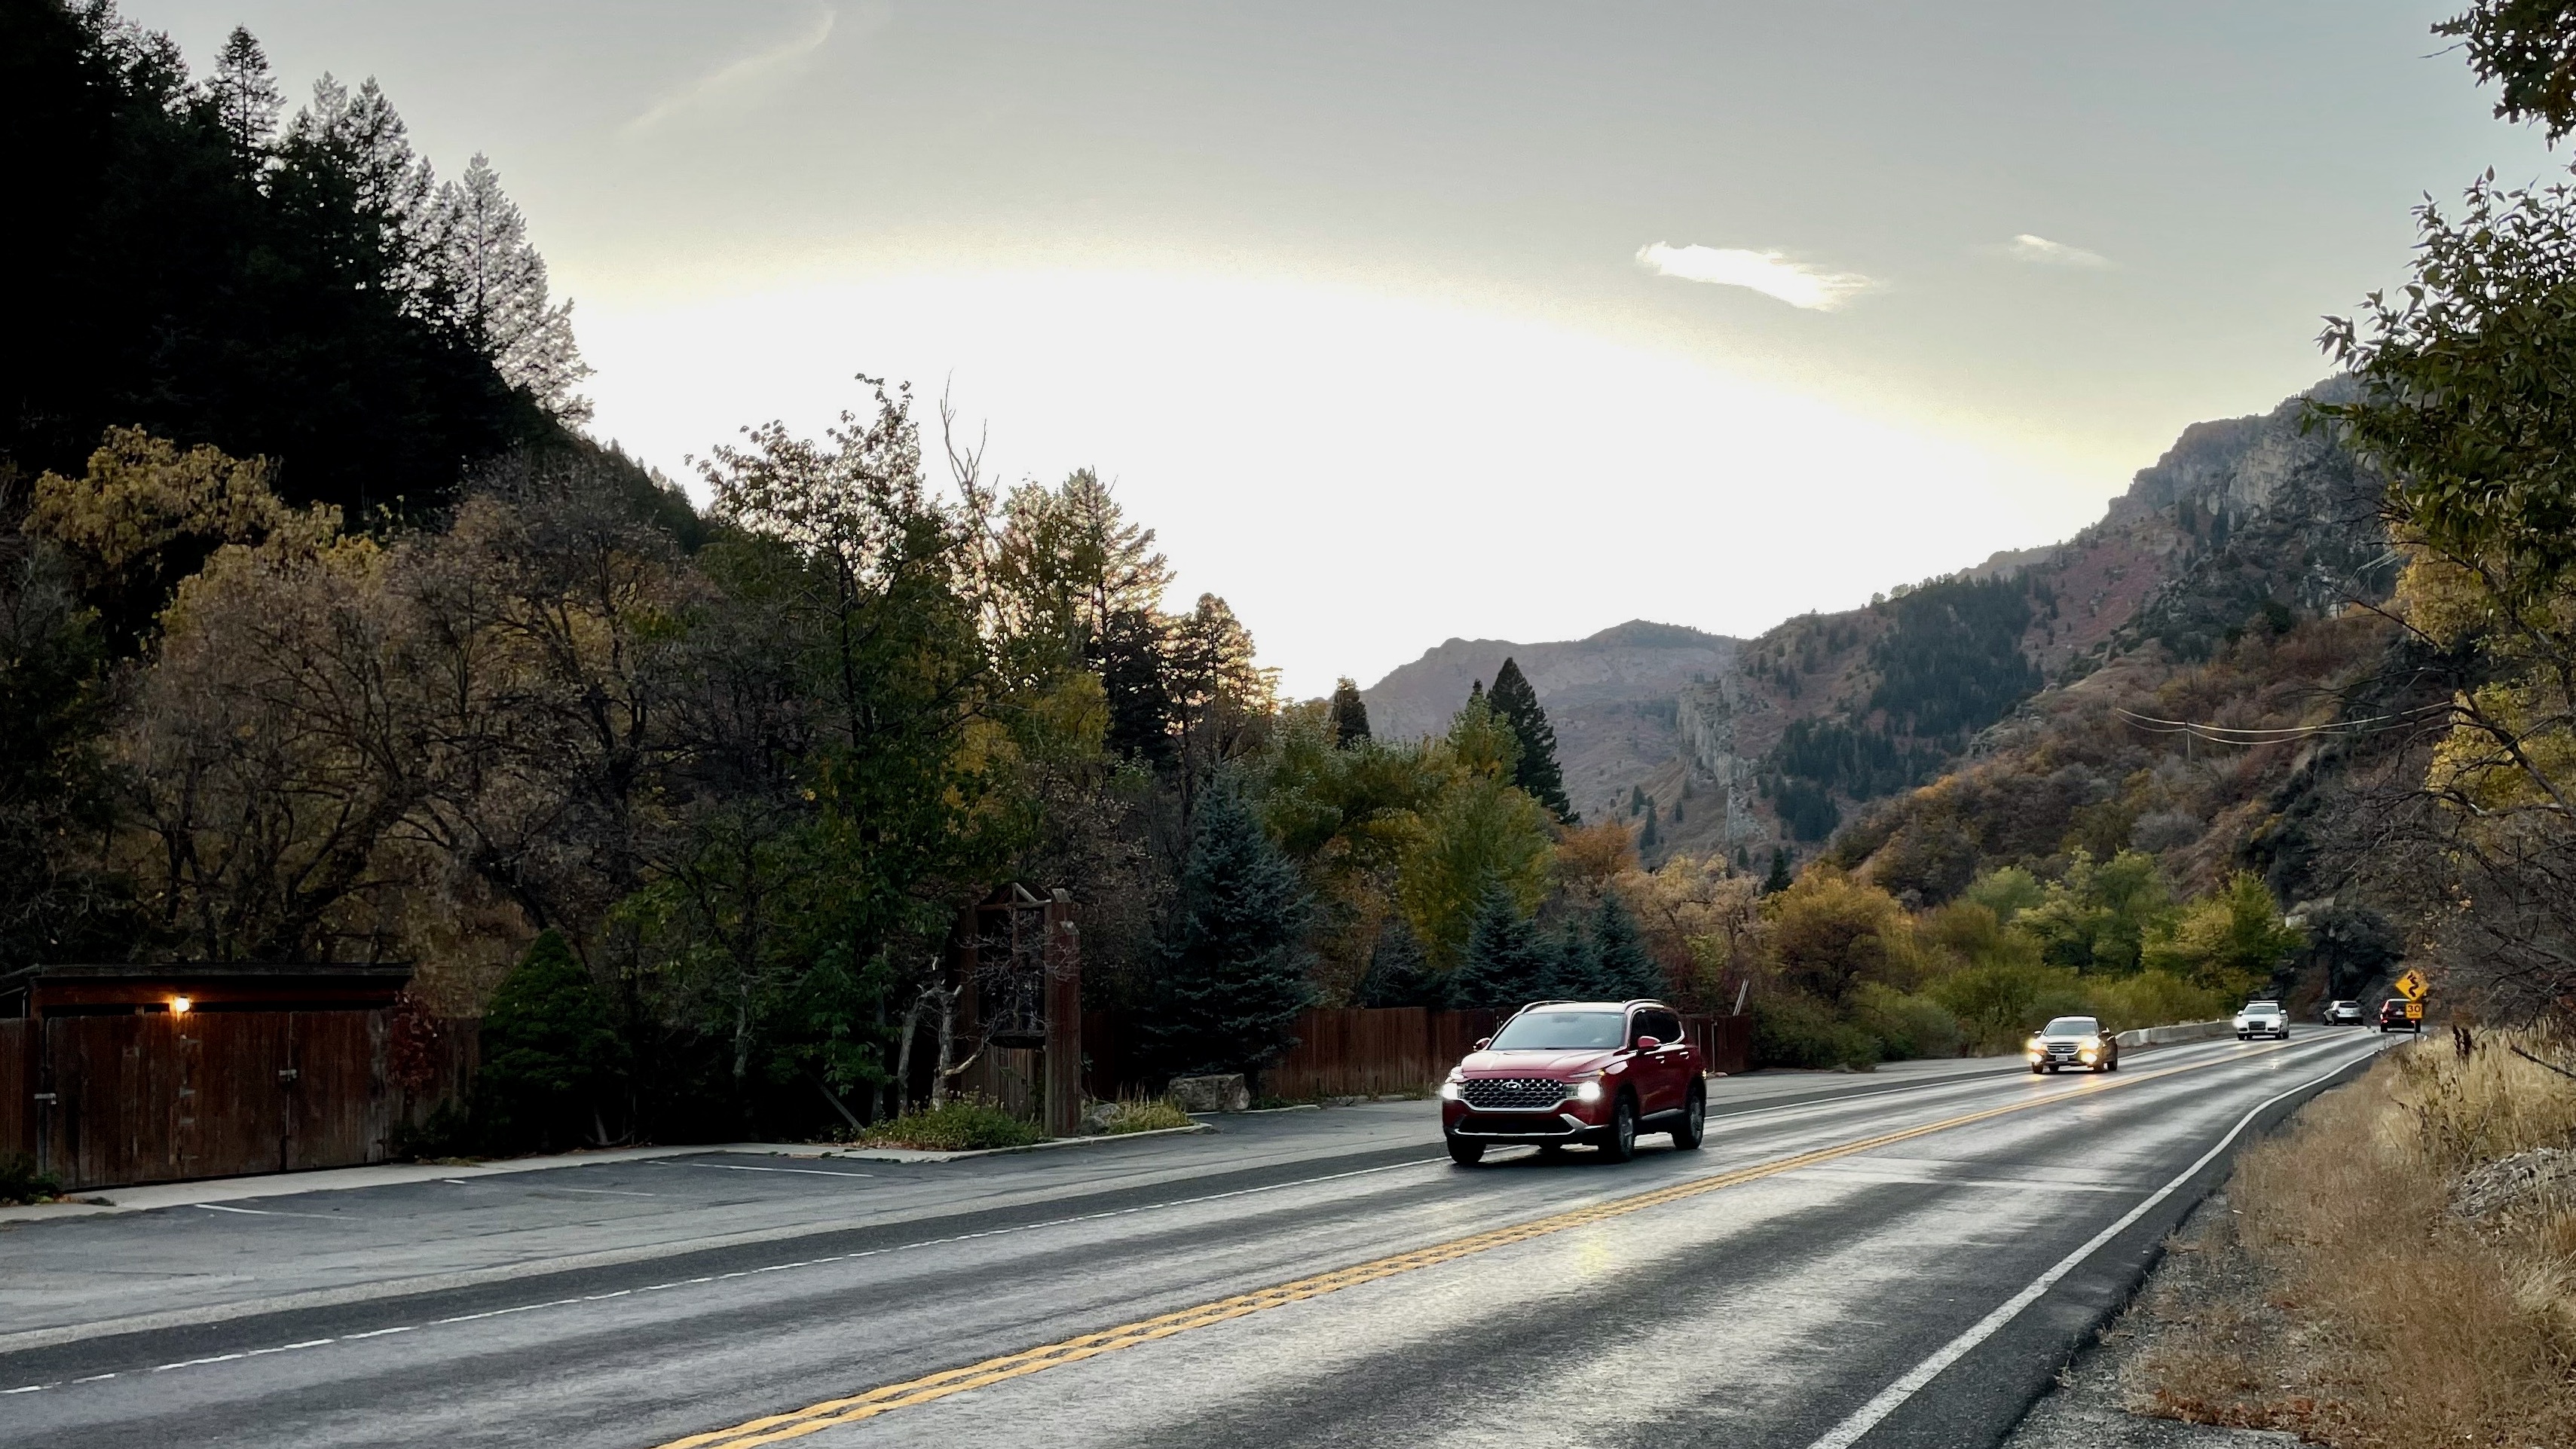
point(1587, 1091)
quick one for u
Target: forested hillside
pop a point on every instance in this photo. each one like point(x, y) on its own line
point(331, 636)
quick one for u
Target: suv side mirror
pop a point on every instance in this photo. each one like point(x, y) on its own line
point(1483, 1042)
point(1648, 1043)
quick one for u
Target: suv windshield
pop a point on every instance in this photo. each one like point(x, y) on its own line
point(1561, 1031)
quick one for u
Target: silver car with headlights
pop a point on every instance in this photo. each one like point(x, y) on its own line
point(2073, 1041)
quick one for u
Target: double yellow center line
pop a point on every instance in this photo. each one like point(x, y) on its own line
point(929, 1388)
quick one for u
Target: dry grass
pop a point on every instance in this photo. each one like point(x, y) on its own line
point(2359, 1312)
point(1150, 1114)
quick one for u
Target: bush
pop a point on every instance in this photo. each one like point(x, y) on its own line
point(2000, 1002)
point(1795, 1031)
point(962, 1124)
point(445, 1134)
point(21, 1184)
point(2156, 998)
point(1906, 1025)
point(549, 1054)
point(1153, 1115)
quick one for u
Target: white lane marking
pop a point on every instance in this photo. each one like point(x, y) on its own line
point(216, 1207)
point(93, 1378)
point(193, 1362)
point(597, 1191)
point(29, 1389)
point(1893, 1397)
point(853, 1256)
point(807, 1171)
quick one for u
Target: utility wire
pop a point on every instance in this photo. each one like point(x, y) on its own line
point(2236, 735)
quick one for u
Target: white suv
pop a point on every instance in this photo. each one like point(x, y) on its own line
point(2262, 1018)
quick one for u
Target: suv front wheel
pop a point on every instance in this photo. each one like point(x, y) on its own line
point(1619, 1139)
point(1465, 1153)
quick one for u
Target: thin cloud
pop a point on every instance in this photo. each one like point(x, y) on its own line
point(1770, 273)
point(740, 78)
point(2043, 252)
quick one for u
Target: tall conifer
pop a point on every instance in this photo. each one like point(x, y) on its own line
point(1234, 952)
point(1627, 968)
point(1538, 773)
point(1350, 715)
point(1507, 962)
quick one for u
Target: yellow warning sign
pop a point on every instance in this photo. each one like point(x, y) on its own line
point(2413, 986)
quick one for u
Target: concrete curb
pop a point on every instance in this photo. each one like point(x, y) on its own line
point(909, 1154)
point(151, 1196)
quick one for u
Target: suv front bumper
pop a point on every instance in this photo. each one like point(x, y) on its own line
point(1567, 1121)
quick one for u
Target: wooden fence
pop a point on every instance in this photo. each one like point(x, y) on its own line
point(110, 1101)
point(1367, 1051)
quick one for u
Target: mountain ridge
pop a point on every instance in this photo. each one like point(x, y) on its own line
point(2239, 521)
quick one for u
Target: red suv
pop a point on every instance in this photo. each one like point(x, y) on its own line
point(1577, 1071)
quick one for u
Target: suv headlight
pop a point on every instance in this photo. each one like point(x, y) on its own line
point(1587, 1091)
point(1449, 1090)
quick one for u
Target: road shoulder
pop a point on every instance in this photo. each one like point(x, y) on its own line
point(2092, 1404)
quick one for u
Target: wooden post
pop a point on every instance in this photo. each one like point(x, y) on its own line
point(1063, 958)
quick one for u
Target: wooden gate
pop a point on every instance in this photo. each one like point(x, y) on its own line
point(126, 1099)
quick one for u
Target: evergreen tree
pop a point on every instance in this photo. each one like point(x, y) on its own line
point(1627, 969)
point(497, 292)
point(1649, 838)
point(1399, 972)
point(1677, 809)
point(1537, 773)
point(1234, 959)
point(1778, 879)
point(1506, 964)
point(1742, 861)
point(246, 100)
point(1131, 653)
point(1350, 715)
point(1577, 974)
point(1636, 801)
point(550, 1055)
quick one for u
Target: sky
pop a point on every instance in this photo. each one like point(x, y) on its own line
point(1405, 322)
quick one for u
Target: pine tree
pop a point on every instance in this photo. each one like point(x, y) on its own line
point(1350, 715)
point(1399, 972)
point(246, 99)
point(1778, 879)
point(549, 1053)
point(1636, 801)
point(1507, 962)
point(1743, 861)
point(1627, 969)
point(1576, 973)
point(1537, 773)
point(497, 287)
point(1677, 809)
point(1649, 838)
point(1233, 954)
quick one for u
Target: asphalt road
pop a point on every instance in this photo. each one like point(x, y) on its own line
point(1903, 1258)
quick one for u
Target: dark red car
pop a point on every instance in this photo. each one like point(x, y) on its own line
point(2393, 1017)
point(1560, 1072)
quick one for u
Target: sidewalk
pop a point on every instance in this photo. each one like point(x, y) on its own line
point(337, 1179)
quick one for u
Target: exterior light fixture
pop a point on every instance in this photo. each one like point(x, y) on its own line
point(179, 1005)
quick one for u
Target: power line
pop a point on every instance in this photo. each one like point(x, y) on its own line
point(2241, 735)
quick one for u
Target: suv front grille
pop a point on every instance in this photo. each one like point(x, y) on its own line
point(1488, 1093)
